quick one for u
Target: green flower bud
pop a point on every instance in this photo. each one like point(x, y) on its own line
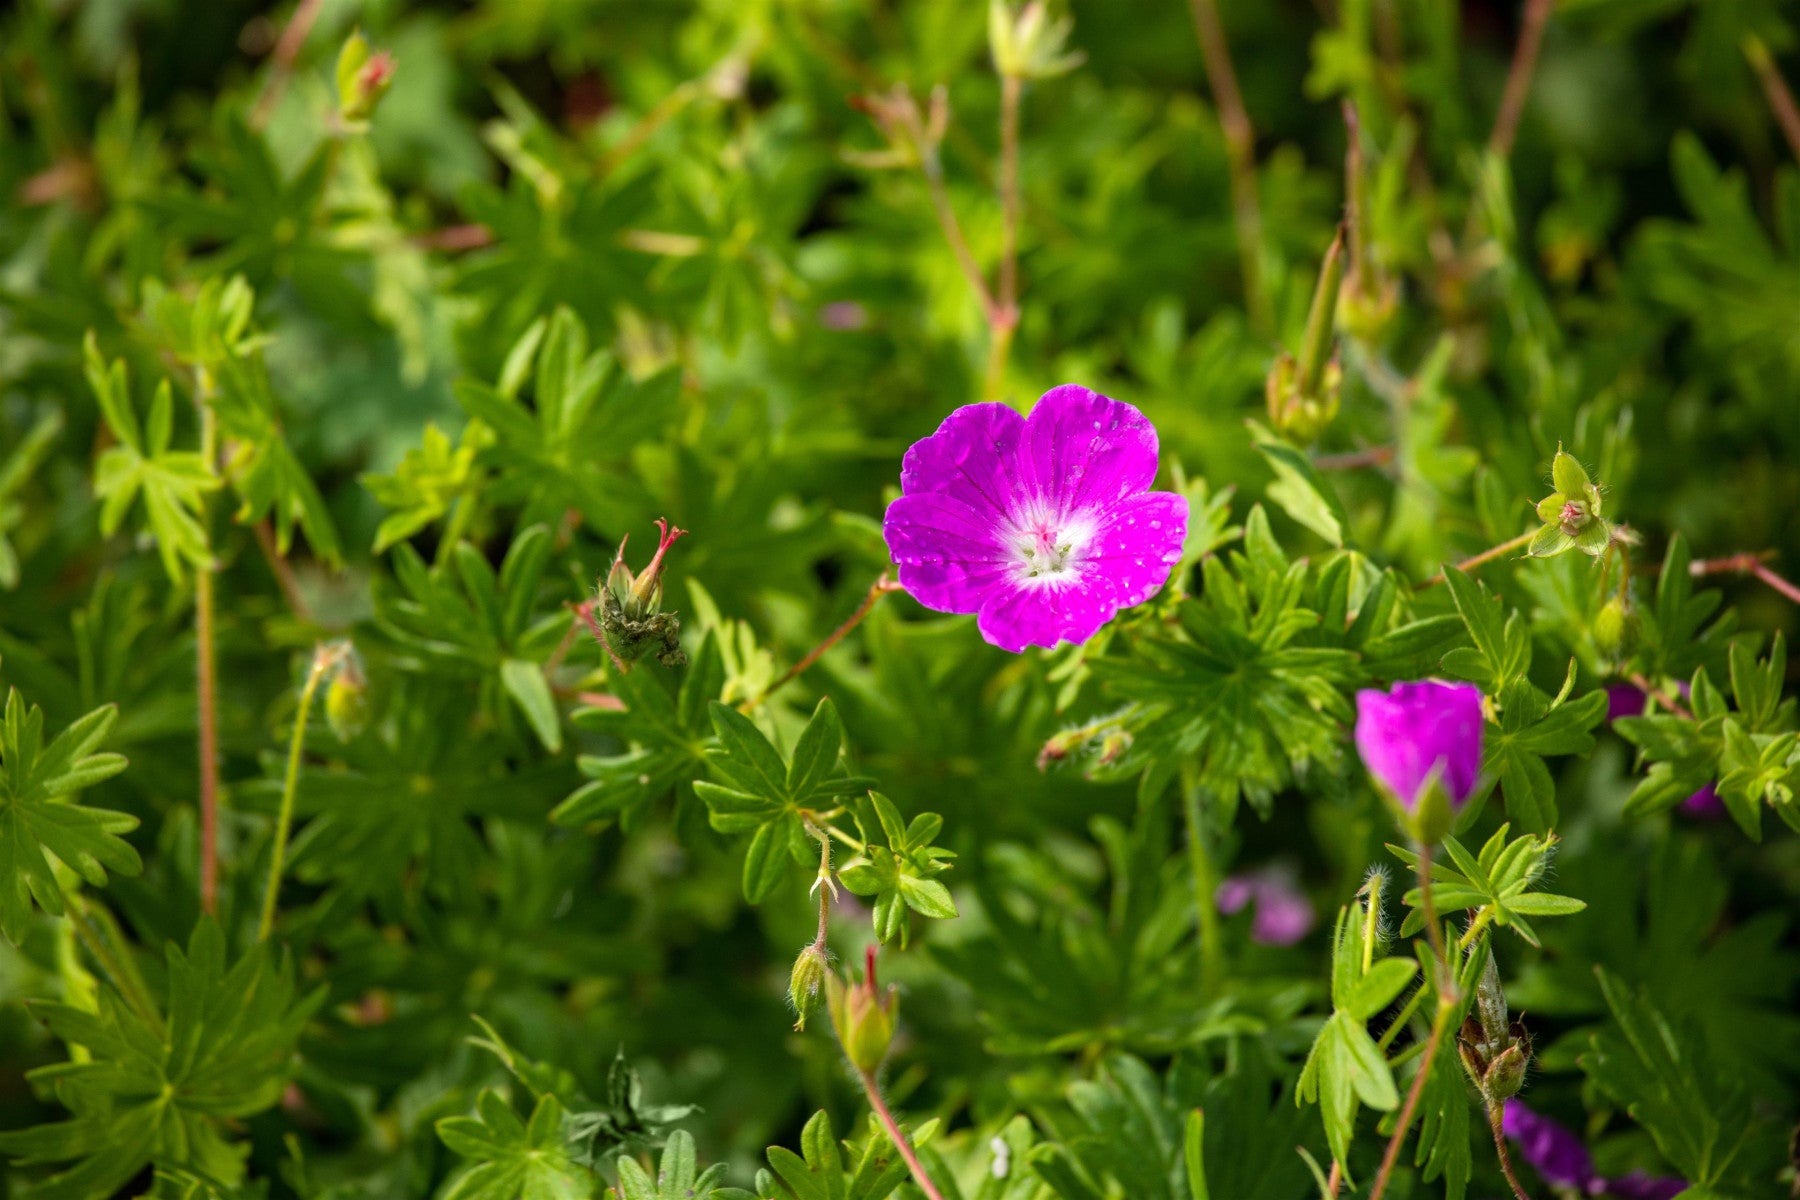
point(347, 702)
point(1299, 413)
point(807, 981)
point(362, 79)
point(1616, 629)
point(863, 1016)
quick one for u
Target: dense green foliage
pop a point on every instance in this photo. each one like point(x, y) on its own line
point(336, 368)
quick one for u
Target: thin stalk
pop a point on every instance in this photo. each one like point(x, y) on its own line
point(898, 1138)
point(1240, 152)
point(287, 52)
point(1518, 77)
point(1011, 86)
point(1495, 1113)
point(1438, 1024)
point(1486, 556)
point(1206, 885)
point(283, 571)
point(321, 663)
point(881, 587)
point(1638, 680)
point(1781, 100)
point(1373, 456)
point(933, 167)
point(207, 676)
point(1405, 1015)
point(1434, 932)
point(1003, 318)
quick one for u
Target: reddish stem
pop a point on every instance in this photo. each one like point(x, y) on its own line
point(1518, 77)
point(879, 588)
point(893, 1128)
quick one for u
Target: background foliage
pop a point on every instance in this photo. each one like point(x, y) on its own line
point(403, 371)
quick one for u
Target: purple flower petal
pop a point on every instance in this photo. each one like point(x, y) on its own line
point(1084, 450)
point(1624, 700)
point(1040, 525)
point(1283, 913)
point(1550, 1147)
point(1704, 804)
point(1404, 733)
point(1234, 893)
point(1639, 1186)
point(971, 458)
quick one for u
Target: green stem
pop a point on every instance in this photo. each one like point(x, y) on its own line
point(1488, 555)
point(1495, 1113)
point(898, 1138)
point(1206, 885)
point(1406, 1014)
point(284, 821)
point(206, 670)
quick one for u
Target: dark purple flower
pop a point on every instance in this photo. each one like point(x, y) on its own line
point(1704, 804)
point(1624, 700)
point(1556, 1154)
point(1042, 525)
point(1283, 913)
point(1639, 1186)
point(1551, 1148)
point(1407, 732)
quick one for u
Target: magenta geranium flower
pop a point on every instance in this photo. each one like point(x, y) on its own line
point(1043, 526)
point(1283, 915)
point(1559, 1157)
point(1413, 729)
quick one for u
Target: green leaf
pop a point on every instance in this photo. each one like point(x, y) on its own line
point(512, 1159)
point(168, 1087)
point(38, 821)
point(526, 684)
point(1303, 493)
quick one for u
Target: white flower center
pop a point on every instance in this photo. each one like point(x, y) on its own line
point(1049, 548)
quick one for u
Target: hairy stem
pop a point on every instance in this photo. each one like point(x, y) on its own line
point(1495, 1113)
point(207, 681)
point(1486, 556)
point(287, 52)
point(1518, 77)
point(1206, 884)
point(322, 662)
point(881, 587)
point(1781, 100)
point(1240, 151)
point(1438, 1024)
point(282, 570)
point(898, 1138)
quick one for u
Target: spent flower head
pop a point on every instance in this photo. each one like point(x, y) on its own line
point(631, 613)
point(1571, 514)
point(1042, 526)
point(363, 78)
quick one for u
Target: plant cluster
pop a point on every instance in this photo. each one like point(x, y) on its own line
point(1217, 629)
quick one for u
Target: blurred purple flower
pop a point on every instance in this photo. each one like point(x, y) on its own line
point(1405, 733)
point(1043, 525)
point(1624, 700)
point(1551, 1148)
point(1283, 913)
point(1704, 804)
point(844, 315)
point(1557, 1155)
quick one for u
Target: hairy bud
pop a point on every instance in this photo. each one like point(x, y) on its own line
point(864, 1016)
point(807, 982)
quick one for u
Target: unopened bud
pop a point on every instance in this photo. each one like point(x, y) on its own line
point(807, 982)
point(1303, 392)
point(347, 699)
point(863, 1016)
point(363, 78)
point(1616, 629)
